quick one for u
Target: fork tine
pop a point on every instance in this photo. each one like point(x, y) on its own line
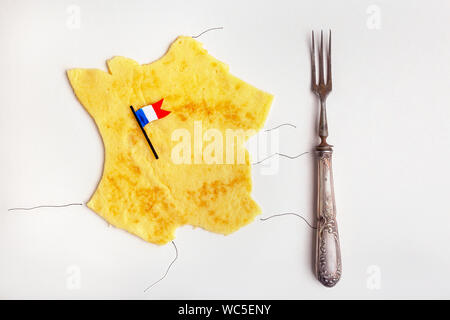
point(313, 62)
point(329, 77)
point(321, 71)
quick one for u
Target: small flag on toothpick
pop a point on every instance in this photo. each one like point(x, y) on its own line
point(148, 114)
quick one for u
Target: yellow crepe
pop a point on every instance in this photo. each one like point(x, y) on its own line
point(151, 198)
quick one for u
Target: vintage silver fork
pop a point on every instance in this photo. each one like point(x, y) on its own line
point(328, 253)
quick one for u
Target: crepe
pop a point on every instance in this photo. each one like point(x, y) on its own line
point(151, 198)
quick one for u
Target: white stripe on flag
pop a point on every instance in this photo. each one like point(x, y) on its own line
point(150, 113)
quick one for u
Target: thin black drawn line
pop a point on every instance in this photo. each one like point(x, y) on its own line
point(207, 30)
point(168, 268)
point(281, 125)
point(46, 206)
point(282, 155)
point(289, 213)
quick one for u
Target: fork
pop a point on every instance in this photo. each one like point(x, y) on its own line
point(328, 253)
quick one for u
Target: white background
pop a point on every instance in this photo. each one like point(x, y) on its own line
point(389, 121)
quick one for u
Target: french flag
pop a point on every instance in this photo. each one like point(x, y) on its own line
point(150, 113)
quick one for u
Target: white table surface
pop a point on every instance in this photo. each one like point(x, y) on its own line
point(389, 121)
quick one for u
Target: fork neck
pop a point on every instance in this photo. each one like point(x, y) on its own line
point(323, 127)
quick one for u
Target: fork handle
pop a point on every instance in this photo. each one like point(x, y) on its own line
point(328, 253)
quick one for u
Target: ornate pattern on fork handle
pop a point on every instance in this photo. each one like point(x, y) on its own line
point(328, 254)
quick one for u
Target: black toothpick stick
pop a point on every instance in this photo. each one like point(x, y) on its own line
point(145, 133)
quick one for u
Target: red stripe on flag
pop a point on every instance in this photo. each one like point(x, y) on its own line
point(160, 113)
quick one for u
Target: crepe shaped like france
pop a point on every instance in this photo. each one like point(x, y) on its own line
point(198, 103)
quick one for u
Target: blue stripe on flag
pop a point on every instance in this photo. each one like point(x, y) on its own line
point(141, 117)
